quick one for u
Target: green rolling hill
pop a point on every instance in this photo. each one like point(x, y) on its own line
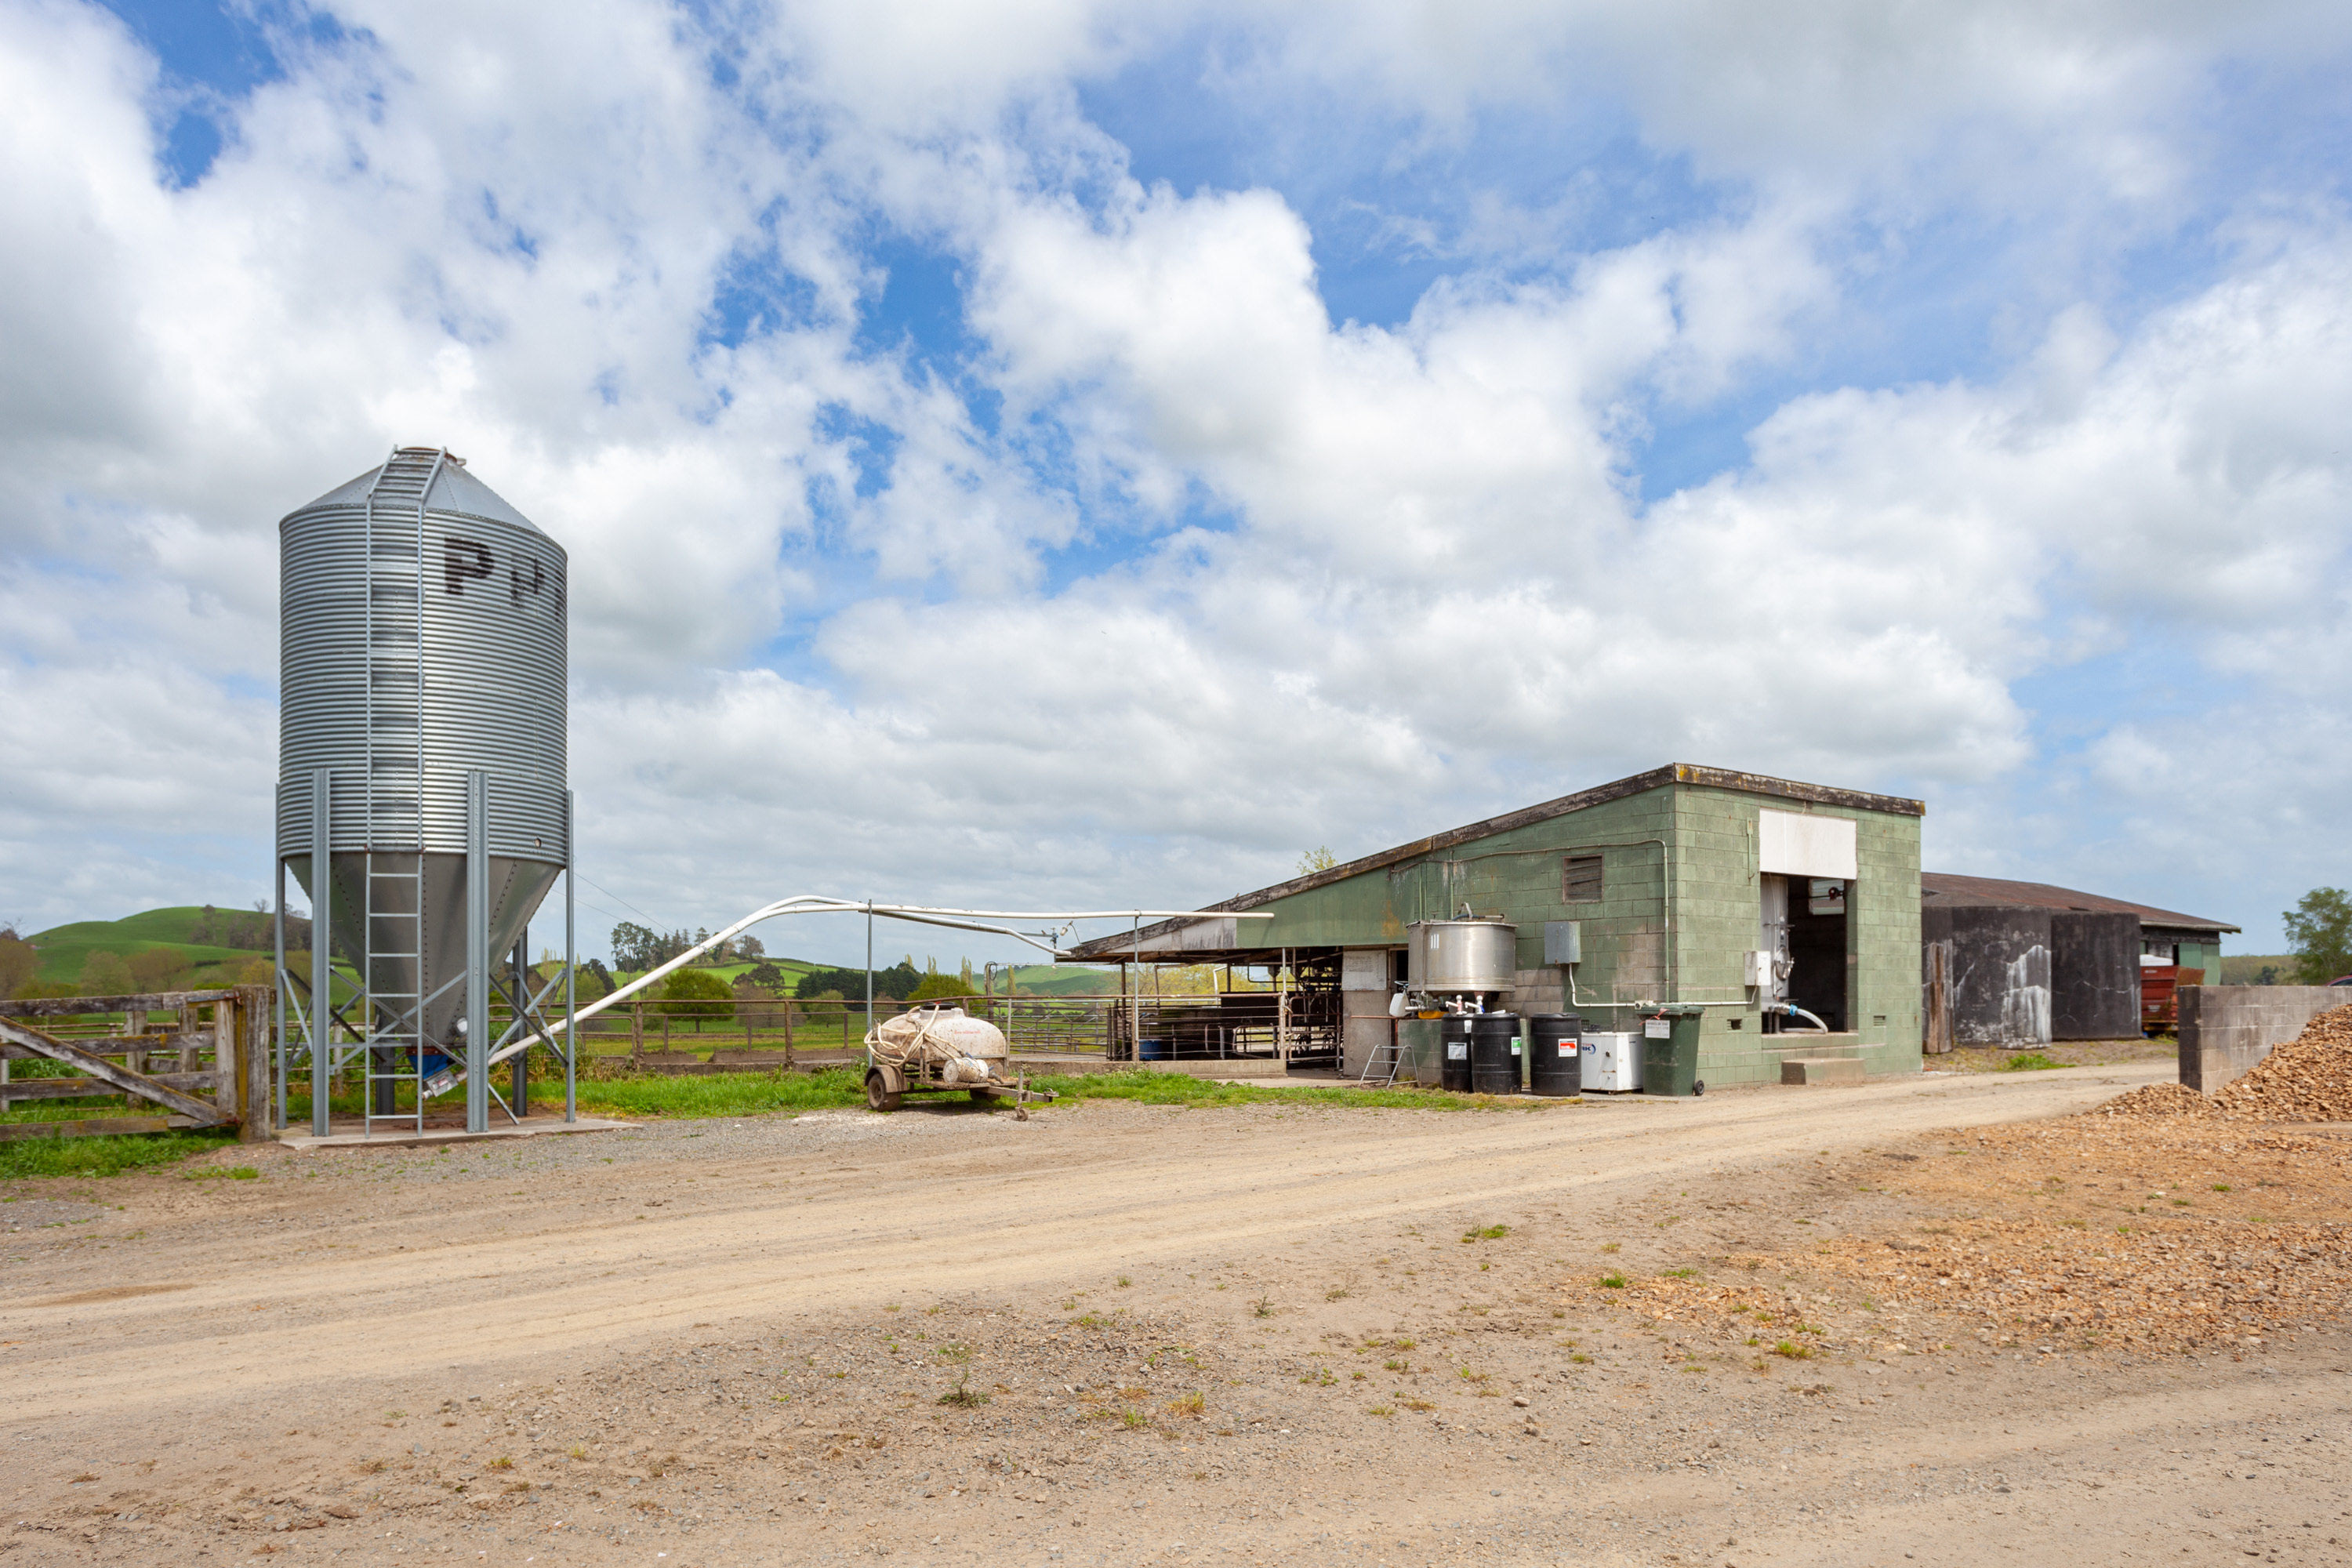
point(63, 948)
point(217, 943)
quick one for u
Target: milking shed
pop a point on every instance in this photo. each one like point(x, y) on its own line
point(1735, 894)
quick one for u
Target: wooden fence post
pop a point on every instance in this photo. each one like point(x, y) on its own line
point(1939, 999)
point(636, 1033)
point(227, 1060)
point(248, 1017)
point(788, 1031)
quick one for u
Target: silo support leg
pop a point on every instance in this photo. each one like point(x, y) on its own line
point(322, 971)
point(478, 956)
point(519, 1099)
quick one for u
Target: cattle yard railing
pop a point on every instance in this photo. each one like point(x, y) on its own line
point(185, 1058)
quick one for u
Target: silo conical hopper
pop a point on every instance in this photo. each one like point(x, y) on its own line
point(423, 640)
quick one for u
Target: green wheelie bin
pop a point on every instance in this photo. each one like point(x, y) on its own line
point(1670, 1051)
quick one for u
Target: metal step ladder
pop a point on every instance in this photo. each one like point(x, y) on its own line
point(1380, 1067)
point(394, 1049)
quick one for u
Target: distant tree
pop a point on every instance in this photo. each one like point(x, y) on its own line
point(696, 993)
point(104, 973)
point(256, 972)
point(2319, 932)
point(896, 982)
point(633, 945)
point(158, 968)
point(248, 931)
point(750, 947)
point(766, 976)
point(936, 984)
point(1319, 858)
point(19, 961)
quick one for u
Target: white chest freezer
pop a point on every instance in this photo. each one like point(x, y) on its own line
point(1610, 1063)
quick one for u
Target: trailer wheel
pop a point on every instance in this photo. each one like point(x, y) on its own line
point(878, 1097)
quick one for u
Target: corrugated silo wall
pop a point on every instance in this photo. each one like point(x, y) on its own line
point(2094, 976)
point(2000, 976)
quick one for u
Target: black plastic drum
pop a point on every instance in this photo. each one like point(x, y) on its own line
point(1454, 1053)
point(1552, 1067)
point(1494, 1057)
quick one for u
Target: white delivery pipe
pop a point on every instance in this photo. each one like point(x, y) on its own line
point(816, 904)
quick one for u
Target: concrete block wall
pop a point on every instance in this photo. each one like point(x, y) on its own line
point(1522, 873)
point(1707, 835)
point(1882, 937)
point(2227, 1030)
point(1366, 1029)
point(1717, 926)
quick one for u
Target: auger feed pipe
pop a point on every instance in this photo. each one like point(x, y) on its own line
point(1057, 923)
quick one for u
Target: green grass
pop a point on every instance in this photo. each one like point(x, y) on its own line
point(719, 1094)
point(2030, 1061)
point(21, 1158)
point(80, 1108)
point(791, 969)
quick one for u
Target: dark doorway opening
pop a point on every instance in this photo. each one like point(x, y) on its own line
point(1818, 972)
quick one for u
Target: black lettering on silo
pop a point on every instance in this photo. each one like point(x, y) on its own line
point(462, 558)
point(516, 587)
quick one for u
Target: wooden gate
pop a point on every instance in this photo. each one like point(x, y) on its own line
point(219, 1073)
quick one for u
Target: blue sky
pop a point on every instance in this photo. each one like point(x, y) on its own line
point(1039, 454)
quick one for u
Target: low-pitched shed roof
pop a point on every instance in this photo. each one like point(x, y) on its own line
point(1673, 773)
point(1941, 890)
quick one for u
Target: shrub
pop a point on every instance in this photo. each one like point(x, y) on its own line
point(104, 973)
point(933, 987)
point(158, 968)
point(18, 962)
point(696, 993)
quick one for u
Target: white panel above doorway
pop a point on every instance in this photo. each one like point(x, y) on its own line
point(1787, 845)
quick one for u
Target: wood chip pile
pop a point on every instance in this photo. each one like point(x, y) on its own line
point(2158, 1099)
point(2309, 1078)
point(2149, 1232)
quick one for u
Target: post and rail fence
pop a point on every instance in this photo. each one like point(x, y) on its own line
point(203, 1058)
point(217, 1045)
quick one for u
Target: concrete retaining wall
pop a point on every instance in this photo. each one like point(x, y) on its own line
point(2226, 1030)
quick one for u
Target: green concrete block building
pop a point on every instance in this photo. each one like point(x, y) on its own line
point(1689, 885)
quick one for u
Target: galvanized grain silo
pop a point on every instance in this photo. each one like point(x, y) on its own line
point(422, 732)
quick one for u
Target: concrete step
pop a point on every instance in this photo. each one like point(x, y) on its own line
point(1820, 1069)
point(1819, 1048)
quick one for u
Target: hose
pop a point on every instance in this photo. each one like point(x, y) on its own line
point(815, 903)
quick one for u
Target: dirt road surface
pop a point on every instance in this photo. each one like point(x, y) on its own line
point(1113, 1333)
